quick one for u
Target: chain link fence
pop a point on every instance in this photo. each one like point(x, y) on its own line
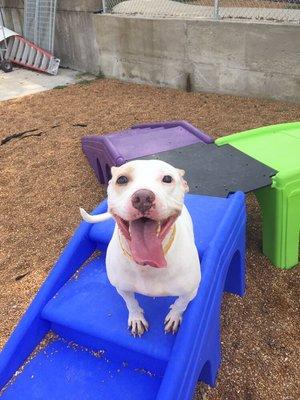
point(253, 10)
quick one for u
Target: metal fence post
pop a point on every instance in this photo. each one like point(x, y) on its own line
point(104, 6)
point(36, 21)
point(216, 9)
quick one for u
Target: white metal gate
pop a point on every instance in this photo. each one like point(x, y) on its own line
point(39, 22)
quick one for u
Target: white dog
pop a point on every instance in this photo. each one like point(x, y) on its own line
point(152, 250)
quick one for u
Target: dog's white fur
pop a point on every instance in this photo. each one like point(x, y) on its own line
point(181, 277)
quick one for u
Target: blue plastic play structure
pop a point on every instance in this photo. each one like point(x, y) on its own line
point(94, 356)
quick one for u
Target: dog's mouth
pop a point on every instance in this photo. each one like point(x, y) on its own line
point(145, 239)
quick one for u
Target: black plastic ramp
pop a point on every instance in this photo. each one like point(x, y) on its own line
point(217, 170)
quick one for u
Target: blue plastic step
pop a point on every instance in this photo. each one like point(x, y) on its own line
point(63, 371)
point(89, 310)
point(85, 309)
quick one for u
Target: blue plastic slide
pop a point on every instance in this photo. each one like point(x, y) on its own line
point(93, 355)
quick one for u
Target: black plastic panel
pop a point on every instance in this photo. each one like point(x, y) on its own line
point(217, 170)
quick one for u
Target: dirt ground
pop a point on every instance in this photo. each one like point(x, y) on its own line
point(45, 178)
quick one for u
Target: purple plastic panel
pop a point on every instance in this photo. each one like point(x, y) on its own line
point(141, 140)
point(173, 124)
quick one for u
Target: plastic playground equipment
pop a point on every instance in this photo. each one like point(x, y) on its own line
point(277, 146)
point(119, 147)
point(181, 144)
point(92, 355)
point(264, 160)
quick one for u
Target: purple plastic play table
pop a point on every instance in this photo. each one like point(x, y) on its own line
point(141, 140)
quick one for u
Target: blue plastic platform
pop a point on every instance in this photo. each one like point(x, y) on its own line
point(88, 316)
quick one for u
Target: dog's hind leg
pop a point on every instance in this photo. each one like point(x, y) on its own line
point(136, 320)
point(174, 317)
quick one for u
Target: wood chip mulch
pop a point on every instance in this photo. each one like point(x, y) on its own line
point(45, 178)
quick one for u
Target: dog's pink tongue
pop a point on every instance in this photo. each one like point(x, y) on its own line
point(146, 248)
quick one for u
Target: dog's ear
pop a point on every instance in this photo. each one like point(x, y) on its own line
point(113, 170)
point(184, 184)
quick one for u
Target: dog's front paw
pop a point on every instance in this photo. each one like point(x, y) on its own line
point(137, 324)
point(172, 322)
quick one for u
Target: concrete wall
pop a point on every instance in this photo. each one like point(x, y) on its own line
point(62, 5)
point(75, 39)
point(13, 10)
point(240, 58)
point(76, 43)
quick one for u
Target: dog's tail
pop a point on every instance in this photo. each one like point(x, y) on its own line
point(92, 219)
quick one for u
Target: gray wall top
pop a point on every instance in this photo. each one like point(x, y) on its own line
point(79, 5)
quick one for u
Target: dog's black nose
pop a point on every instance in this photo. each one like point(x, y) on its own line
point(143, 200)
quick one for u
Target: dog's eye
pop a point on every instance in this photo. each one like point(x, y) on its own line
point(122, 180)
point(167, 179)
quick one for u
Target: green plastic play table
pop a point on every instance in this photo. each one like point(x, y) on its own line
point(277, 146)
